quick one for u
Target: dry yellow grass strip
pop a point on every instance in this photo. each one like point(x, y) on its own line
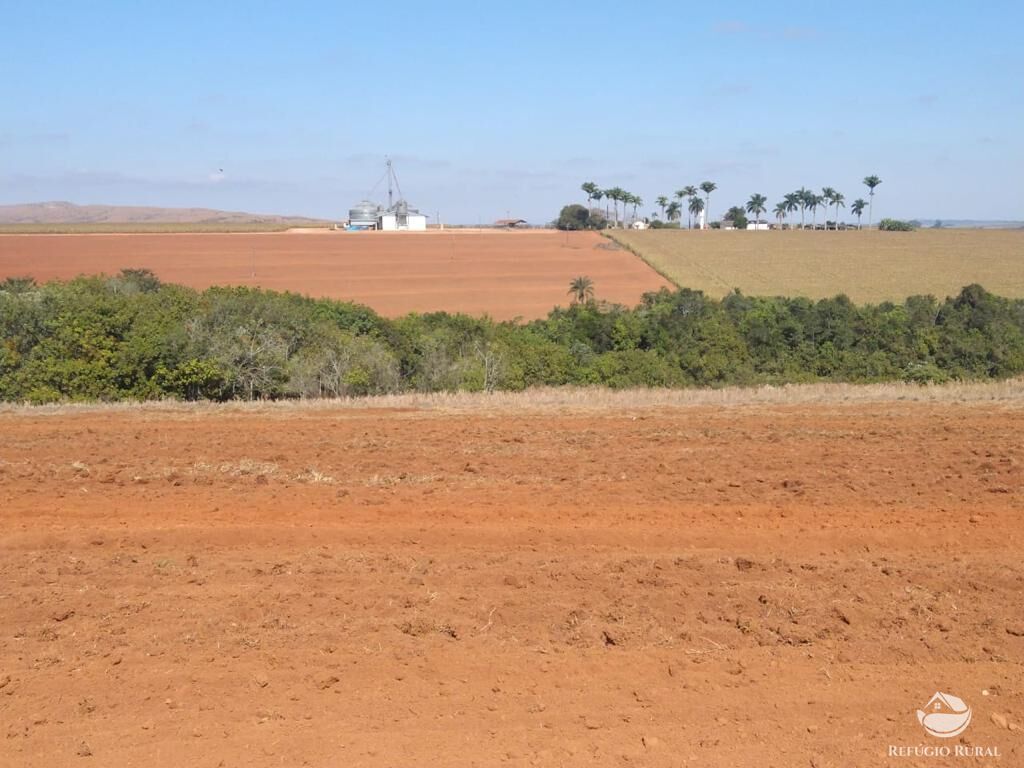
point(579, 399)
point(868, 266)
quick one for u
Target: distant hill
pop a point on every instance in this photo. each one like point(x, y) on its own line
point(59, 213)
point(972, 224)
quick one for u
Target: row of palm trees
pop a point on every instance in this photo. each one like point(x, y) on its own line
point(673, 209)
point(804, 199)
point(615, 195)
point(801, 200)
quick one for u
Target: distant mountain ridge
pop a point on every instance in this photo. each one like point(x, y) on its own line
point(973, 223)
point(59, 212)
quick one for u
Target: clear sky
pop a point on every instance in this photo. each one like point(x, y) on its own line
point(490, 109)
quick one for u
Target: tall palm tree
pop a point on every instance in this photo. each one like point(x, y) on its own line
point(691, 192)
point(598, 194)
point(581, 289)
point(780, 212)
point(858, 209)
point(624, 198)
point(837, 199)
point(826, 196)
point(607, 194)
point(791, 201)
point(756, 205)
point(802, 197)
point(696, 206)
point(674, 210)
point(662, 202)
point(590, 188)
point(615, 195)
point(637, 201)
point(871, 182)
point(813, 201)
point(707, 187)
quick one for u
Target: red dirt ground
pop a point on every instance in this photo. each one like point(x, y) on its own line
point(506, 275)
point(741, 586)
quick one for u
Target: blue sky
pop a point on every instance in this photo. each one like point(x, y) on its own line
point(491, 109)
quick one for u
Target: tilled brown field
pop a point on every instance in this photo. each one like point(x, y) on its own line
point(762, 585)
point(503, 274)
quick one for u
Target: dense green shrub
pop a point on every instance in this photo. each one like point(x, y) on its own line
point(129, 336)
point(895, 225)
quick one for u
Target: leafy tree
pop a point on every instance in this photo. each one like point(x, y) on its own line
point(674, 211)
point(18, 284)
point(736, 216)
point(573, 217)
point(895, 225)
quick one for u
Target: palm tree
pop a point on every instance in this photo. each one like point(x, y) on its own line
point(607, 194)
point(662, 202)
point(780, 212)
point(696, 206)
point(858, 209)
point(756, 205)
point(623, 197)
point(615, 195)
point(582, 290)
point(791, 202)
point(837, 199)
point(802, 197)
point(813, 201)
point(707, 187)
point(637, 201)
point(590, 188)
point(674, 210)
point(871, 182)
point(827, 194)
point(684, 194)
point(598, 194)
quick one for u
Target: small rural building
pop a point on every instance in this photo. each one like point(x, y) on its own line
point(402, 218)
point(510, 223)
point(758, 225)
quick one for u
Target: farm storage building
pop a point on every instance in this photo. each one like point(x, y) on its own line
point(400, 217)
point(363, 215)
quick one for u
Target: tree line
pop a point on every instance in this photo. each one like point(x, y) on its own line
point(688, 199)
point(132, 337)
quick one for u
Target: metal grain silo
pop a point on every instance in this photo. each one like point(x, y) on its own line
point(363, 214)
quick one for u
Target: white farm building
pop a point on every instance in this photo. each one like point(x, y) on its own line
point(399, 216)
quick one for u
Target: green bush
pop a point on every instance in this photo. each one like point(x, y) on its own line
point(131, 337)
point(896, 225)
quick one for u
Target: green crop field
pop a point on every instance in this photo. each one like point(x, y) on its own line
point(868, 266)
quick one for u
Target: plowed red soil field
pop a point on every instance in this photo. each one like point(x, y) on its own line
point(506, 275)
point(778, 585)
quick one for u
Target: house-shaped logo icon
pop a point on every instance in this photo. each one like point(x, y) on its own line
point(945, 716)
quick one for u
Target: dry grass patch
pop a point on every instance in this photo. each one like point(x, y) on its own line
point(1009, 393)
point(868, 266)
